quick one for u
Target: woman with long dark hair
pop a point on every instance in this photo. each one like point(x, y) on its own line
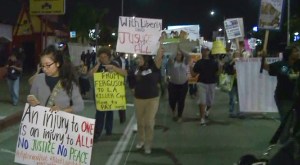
point(146, 97)
point(287, 71)
point(57, 87)
point(178, 82)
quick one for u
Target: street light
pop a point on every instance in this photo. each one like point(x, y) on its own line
point(212, 13)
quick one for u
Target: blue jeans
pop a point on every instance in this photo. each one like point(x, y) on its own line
point(192, 89)
point(233, 95)
point(102, 116)
point(13, 86)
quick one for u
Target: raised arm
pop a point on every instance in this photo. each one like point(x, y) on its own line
point(159, 57)
point(187, 57)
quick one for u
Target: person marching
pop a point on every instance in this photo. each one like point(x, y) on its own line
point(208, 70)
point(178, 82)
point(285, 71)
point(145, 84)
point(105, 64)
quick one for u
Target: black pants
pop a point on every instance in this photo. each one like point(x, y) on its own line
point(192, 89)
point(177, 94)
point(122, 115)
point(102, 116)
point(84, 85)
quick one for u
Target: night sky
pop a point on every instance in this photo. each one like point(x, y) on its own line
point(172, 12)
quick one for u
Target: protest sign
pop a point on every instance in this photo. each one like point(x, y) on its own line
point(255, 90)
point(234, 28)
point(194, 58)
point(54, 137)
point(138, 35)
point(270, 14)
point(184, 36)
point(178, 33)
point(109, 91)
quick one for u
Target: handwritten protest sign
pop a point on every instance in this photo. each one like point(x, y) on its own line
point(190, 32)
point(270, 14)
point(109, 91)
point(194, 57)
point(234, 28)
point(139, 35)
point(54, 137)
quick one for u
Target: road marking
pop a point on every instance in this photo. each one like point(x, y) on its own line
point(2, 117)
point(117, 154)
point(7, 151)
point(128, 153)
point(130, 105)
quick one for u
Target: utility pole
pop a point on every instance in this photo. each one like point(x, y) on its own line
point(97, 28)
point(122, 8)
point(288, 22)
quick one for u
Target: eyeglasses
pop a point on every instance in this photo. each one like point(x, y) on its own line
point(47, 65)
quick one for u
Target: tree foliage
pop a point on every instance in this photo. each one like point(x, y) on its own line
point(84, 18)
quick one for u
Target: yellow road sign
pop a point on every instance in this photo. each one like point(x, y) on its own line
point(47, 7)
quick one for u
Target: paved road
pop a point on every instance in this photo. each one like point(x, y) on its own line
point(221, 142)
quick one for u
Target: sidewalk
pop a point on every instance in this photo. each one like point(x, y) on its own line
point(221, 142)
point(7, 110)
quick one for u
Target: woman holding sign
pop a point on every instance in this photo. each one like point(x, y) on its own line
point(57, 86)
point(178, 82)
point(146, 92)
point(105, 64)
point(287, 71)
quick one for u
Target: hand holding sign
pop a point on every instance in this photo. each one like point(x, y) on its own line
point(32, 100)
point(55, 108)
point(110, 68)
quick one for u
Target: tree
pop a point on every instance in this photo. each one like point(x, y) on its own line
point(84, 18)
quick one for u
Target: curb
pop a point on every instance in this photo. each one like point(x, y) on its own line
point(10, 120)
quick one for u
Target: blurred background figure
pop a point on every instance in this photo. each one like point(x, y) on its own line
point(84, 82)
point(14, 70)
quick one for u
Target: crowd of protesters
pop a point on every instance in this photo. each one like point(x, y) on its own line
point(148, 77)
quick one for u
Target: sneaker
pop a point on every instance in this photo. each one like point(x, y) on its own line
point(139, 145)
point(206, 113)
point(202, 122)
point(147, 151)
point(179, 120)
